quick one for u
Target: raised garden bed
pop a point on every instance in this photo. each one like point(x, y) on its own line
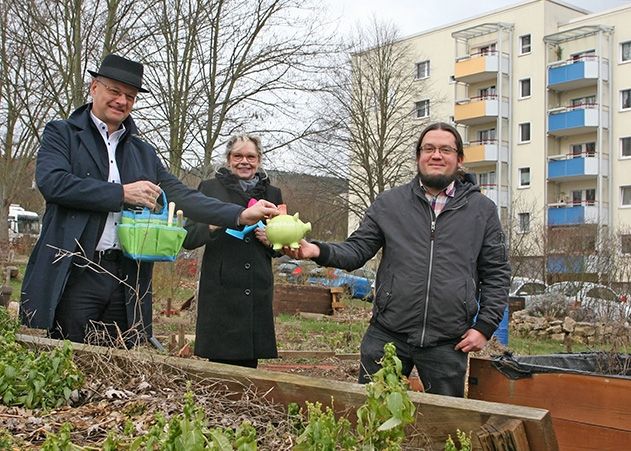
point(590, 411)
point(437, 416)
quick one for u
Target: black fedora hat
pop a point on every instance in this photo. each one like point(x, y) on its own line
point(121, 69)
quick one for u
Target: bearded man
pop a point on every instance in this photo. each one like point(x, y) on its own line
point(442, 284)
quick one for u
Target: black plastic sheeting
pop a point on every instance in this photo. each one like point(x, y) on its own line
point(591, 363)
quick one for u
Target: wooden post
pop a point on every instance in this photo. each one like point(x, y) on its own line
point(499, 434)
point(336, 304)
point(181, 340)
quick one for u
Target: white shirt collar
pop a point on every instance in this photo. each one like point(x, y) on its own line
point(102, 126)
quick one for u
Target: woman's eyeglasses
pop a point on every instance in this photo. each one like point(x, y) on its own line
point(249, 158)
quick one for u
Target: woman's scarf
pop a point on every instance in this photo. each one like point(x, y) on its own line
point(255, 190)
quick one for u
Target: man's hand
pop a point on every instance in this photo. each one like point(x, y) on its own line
point(262, 236)
point(142, 192)
point(306, 250)
point(260, 210)
point(472, 341)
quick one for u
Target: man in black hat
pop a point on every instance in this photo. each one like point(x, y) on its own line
point(89, 167)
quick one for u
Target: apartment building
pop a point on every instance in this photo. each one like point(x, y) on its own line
point(541, 92)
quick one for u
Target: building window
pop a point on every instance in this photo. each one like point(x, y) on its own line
point(590, 149)
point(590, 196)
point(524, 44)
point(524, 177)
point(577, 197)
point(488, 93)
point(422, 69)
point(487, 179)
point(625, 242)
point(625, 99)
point(583, 55)
point(583, 150)
point(524, 88)
point(524, 222)
point(524, 132)
point(487, 49)
point(486, 136)
point(584, 101)
point(625, 147)
point(625, 51)
point(577, 150)
point(625, 196)
point(422, 108)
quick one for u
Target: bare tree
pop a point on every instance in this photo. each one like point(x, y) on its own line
point(369, 120)
point(215, 67)
point(226, 66)
point(526, 239)
point(45, 47)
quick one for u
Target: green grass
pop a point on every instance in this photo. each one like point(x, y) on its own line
point(531, 346)
point(296, 333)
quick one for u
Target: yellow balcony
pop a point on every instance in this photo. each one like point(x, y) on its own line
point(479, 67)
point(478, 110)
point(487, 151)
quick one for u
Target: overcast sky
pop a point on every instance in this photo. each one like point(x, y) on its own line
point(413, 16)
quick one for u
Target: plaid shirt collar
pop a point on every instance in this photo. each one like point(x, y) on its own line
point(449, 191)
point(439, 201)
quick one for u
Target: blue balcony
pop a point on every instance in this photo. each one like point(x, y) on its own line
point(561, 214)
point(575, 120)
point(575, 168)
point(563, 264)
point(576, 74)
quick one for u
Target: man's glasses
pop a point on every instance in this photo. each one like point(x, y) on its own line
point(249, 158)
point(115, 92)
point(428, 149)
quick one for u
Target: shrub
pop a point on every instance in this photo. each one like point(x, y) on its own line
point(34, 380)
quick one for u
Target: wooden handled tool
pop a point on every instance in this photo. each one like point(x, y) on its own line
point(171, 213)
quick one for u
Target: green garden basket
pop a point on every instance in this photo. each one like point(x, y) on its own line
point(146, 236)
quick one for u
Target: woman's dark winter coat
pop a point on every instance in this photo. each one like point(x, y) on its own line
point(234, 314)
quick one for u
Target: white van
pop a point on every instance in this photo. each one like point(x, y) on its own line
point(22, 223)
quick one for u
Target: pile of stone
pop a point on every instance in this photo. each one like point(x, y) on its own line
point(567, 329)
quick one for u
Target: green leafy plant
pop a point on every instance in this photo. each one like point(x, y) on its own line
point(323, 432)
point(464, 441)
point(60, 441)
point(34, 380)
point(6, 440)
point(188, 431)
point(381, 420)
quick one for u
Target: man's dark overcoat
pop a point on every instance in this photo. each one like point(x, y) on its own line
point(71, 173)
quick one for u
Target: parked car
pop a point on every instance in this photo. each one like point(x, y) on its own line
point(593, 300)
point(526, 288)
point(294, 271)
point(359, 282)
